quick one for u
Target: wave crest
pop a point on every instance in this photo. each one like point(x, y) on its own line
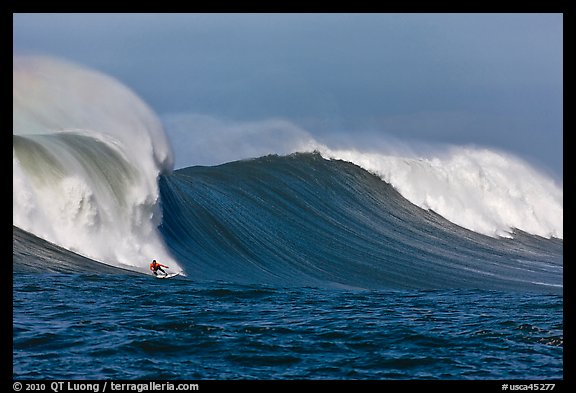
point(86, 156)
point(483, 190)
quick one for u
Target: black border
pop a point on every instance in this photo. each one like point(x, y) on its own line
point(566, 7)
point(414, 6)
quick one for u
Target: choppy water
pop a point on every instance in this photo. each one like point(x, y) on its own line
point(94, 326)
point(376, 266)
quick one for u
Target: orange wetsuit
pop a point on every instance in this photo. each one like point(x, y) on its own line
point(155, 266)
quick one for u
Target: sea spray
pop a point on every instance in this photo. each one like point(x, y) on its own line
point(482, 189)
point(87, 153)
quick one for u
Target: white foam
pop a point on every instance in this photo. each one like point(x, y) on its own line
point(484, 190)
point(74, 202)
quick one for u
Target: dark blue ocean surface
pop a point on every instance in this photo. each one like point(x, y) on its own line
point(294, 268)
point(304, 220)
point(121, 326)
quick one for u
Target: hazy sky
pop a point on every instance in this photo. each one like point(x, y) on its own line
point(487, 79)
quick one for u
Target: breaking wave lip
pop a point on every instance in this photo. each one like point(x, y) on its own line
point(481, 189)
point(92, 168)
point(87, 153)
point(302, 220)
point(305, 220)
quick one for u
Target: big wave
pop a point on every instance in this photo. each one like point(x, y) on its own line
point(307, 221)
point(482, 189)
point(93, 173)
point(86, 156)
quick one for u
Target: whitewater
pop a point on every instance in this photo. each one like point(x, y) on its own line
point(481, 189)
point(88, 155)
point(303, 258)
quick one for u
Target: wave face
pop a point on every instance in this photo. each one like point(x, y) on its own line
point(86, 156)
point(483, 190)
point(93, 177)
point(305, 220)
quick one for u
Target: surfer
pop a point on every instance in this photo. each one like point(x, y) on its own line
point(155, 266)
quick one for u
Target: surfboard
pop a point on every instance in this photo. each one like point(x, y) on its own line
point(169, 275)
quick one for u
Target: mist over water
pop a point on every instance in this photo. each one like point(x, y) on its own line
point(86, 156)
point(371, 203)
point(482, 189)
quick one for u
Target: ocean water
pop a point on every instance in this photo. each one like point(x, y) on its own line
point(319, 264)
point(129, 327)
